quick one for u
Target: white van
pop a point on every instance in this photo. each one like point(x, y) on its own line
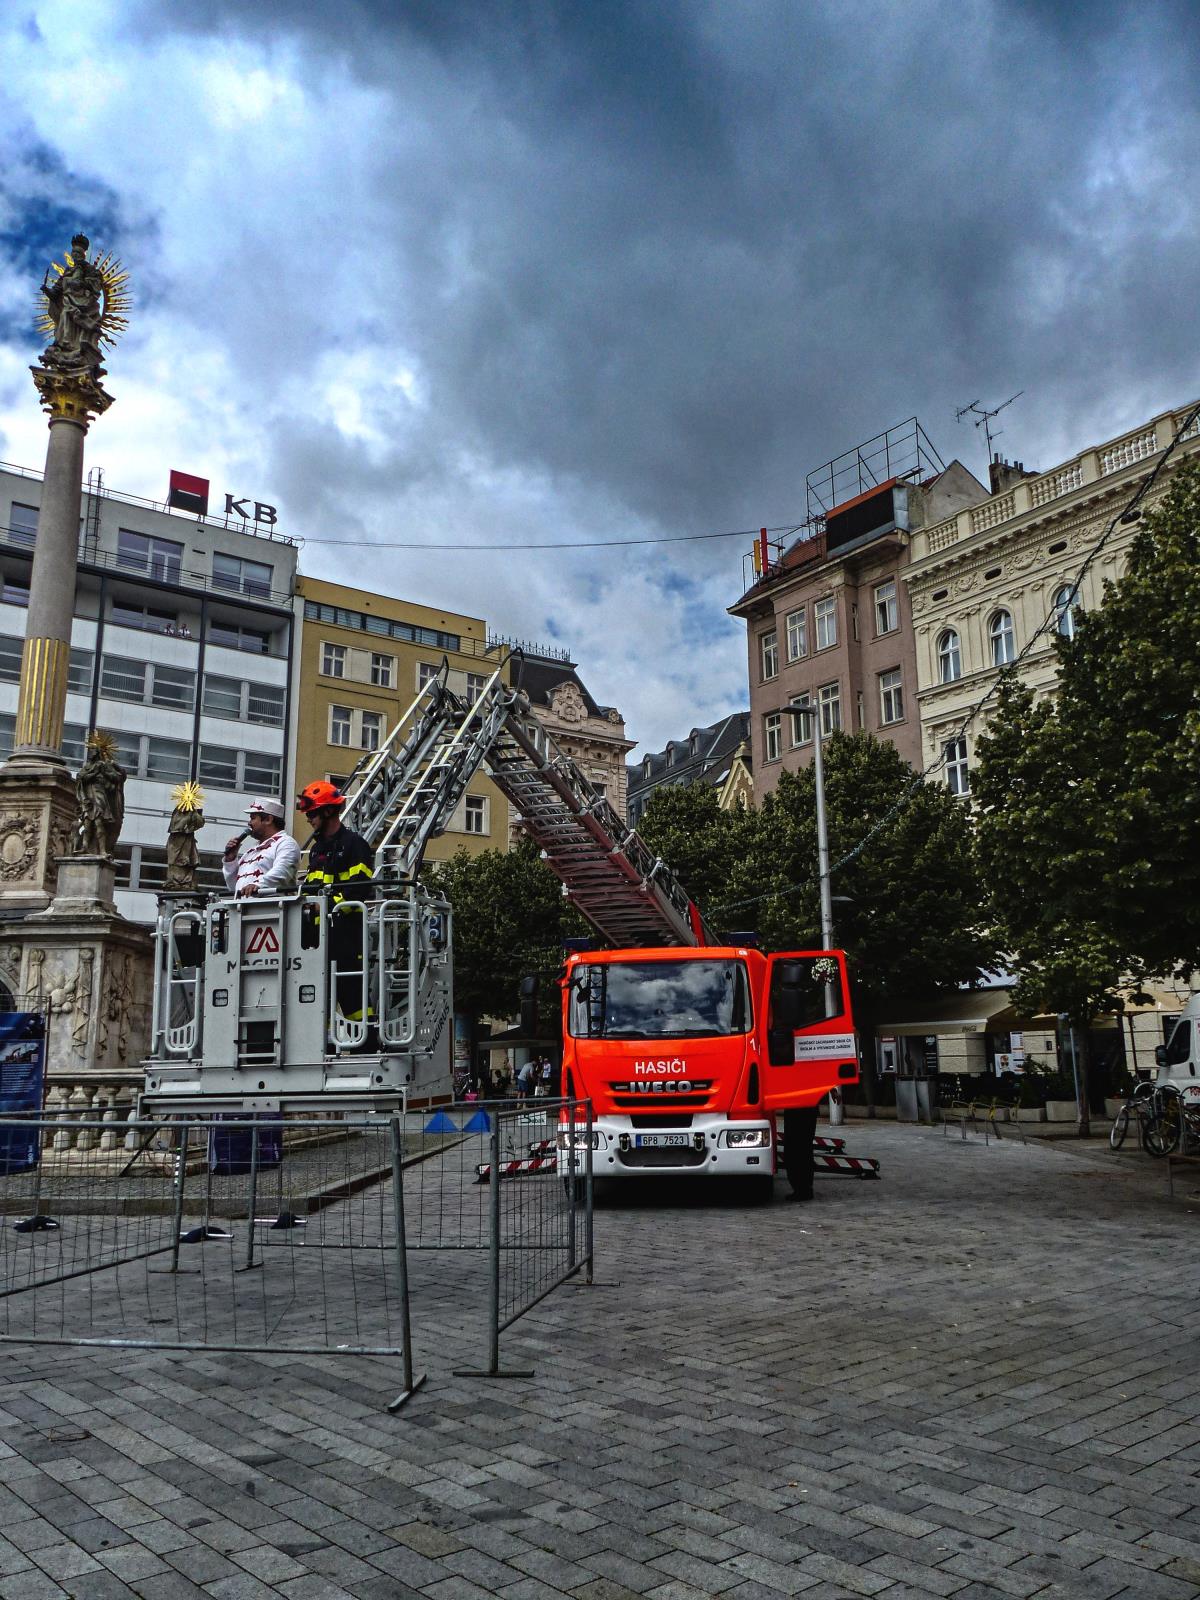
point(1178, 1060)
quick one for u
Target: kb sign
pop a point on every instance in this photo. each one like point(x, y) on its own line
point(263, 514)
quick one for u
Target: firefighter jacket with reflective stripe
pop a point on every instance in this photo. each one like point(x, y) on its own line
point(344, 863)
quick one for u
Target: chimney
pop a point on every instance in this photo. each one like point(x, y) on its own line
point(1003, 474)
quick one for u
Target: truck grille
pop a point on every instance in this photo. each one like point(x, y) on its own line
point(683, 1102)
point(662, 1158)
point(667, 1121)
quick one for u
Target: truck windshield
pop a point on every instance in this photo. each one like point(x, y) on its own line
point(660, 1000)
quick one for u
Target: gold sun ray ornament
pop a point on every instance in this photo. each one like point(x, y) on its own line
point(187, 796)
point(117, 299)
point(103, 744)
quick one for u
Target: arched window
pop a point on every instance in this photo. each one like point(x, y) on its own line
point(1065, 603)
point(949, 657)
point(1000, 630)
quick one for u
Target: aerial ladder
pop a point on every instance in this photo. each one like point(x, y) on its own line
point(293, 1002)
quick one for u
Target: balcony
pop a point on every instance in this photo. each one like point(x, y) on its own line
point(1037, 493)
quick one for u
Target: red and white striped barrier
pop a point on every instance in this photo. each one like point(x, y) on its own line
point(830, 1146)
point(517, 1169)
point(858, 1166)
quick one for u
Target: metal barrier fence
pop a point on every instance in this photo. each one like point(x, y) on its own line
point(286, 1235)
point(517, 1184)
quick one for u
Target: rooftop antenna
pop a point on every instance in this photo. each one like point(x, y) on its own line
point(983, 418)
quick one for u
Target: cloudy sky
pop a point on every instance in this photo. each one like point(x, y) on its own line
point(501, 272)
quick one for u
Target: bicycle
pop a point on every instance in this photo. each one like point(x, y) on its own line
point(1173, 1116)
point(1139, 1104)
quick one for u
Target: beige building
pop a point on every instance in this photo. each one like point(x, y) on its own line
point(828, 622)
point(363, 658)
point(593, 735)
point(982, 581)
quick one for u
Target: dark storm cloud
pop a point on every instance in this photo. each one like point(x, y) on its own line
point(681, 253)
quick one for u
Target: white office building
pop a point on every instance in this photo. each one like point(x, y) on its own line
point(181, 648)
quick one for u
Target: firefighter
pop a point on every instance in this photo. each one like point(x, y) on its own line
point(339, 859)
point(343, 863)
point(799, 1130)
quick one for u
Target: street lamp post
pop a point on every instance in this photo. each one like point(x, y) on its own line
point(836, 1114)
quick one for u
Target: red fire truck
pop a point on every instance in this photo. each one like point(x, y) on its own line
point(687, 1053)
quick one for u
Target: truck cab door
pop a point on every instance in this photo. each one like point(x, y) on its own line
point(810, 1044)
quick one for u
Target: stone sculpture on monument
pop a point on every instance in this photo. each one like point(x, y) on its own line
point(65, 950)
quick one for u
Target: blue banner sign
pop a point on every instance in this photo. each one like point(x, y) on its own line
point(22, 1081)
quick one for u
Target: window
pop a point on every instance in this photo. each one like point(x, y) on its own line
point(147, 618)
point(315, 611)
point(796, 625)
point(381, 670)
point(10, 659)
point(1065, 603)
point(261, 774)
point(860, 710)
point(265, 705)
point(475, 814)
point(949, 657)
point(886, 616)
point(426, 672)
point(333, 660)
point(958, 779)
point(246, 577)
point(222, 697)
point(173, 687)
point(341, 719)
point(830, 697)
point(854, 618)
point(218, 765)
point(8, 733)
point(123, 678)
point(1000, 630)
point(157, 558)
point(802, 729)
point(22, 524)
point(475, 685)
point(825, 617)
point(167, 759)
point(768, 646)
point(772, 736)
point(234, 637)
point(1179, 1046)
point(371, 730)
point(74, 744)
point(891, 697)
point(15, 592)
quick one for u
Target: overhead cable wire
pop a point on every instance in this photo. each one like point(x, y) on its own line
point(556, 544)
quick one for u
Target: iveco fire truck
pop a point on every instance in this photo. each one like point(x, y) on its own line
point(686, 1046)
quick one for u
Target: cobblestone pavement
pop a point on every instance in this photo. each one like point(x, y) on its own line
point(976, 1378)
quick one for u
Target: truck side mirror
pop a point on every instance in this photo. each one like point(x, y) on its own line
point(529, 999)
point(1160, 1055)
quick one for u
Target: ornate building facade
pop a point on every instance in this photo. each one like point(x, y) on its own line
point(981, 583)
point(593, 735)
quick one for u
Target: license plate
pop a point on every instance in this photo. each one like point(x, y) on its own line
point(657, 1141)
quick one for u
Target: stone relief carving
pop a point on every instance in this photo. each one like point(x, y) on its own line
point(116, 1006)
point(34, 996)
point(19, 839)
point(567, 702)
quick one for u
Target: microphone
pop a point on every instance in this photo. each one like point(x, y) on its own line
point(231, 850)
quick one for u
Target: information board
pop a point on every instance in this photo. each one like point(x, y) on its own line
point(22, 1084)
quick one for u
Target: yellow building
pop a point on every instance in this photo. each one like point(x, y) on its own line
point(363, 659)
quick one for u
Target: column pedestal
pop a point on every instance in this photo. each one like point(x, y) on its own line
point(37, 823)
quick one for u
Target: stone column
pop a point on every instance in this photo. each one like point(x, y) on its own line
point(43, 695)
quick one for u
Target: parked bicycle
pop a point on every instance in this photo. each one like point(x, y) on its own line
point(1138, 1106)
point(1174, 1117)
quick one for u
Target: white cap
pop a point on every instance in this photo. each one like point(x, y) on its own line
point(271, 807)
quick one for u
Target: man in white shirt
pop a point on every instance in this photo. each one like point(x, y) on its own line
point(268, 864)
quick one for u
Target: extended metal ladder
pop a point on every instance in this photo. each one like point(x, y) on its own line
point(404, 793)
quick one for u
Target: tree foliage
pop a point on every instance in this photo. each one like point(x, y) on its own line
point(1088, 806)
point(907, 907)
point(510, 918)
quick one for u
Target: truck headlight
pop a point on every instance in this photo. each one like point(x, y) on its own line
point(746, 1138)
point(578, 1139)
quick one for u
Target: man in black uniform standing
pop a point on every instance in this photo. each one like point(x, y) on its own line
point(343, 863)
point(799, 1130)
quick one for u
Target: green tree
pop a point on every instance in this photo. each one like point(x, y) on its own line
point(684, 824)
point(1088, 804)
point(906, 907)
point(510, 918)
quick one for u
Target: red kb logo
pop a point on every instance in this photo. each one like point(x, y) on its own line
point(263, 942)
